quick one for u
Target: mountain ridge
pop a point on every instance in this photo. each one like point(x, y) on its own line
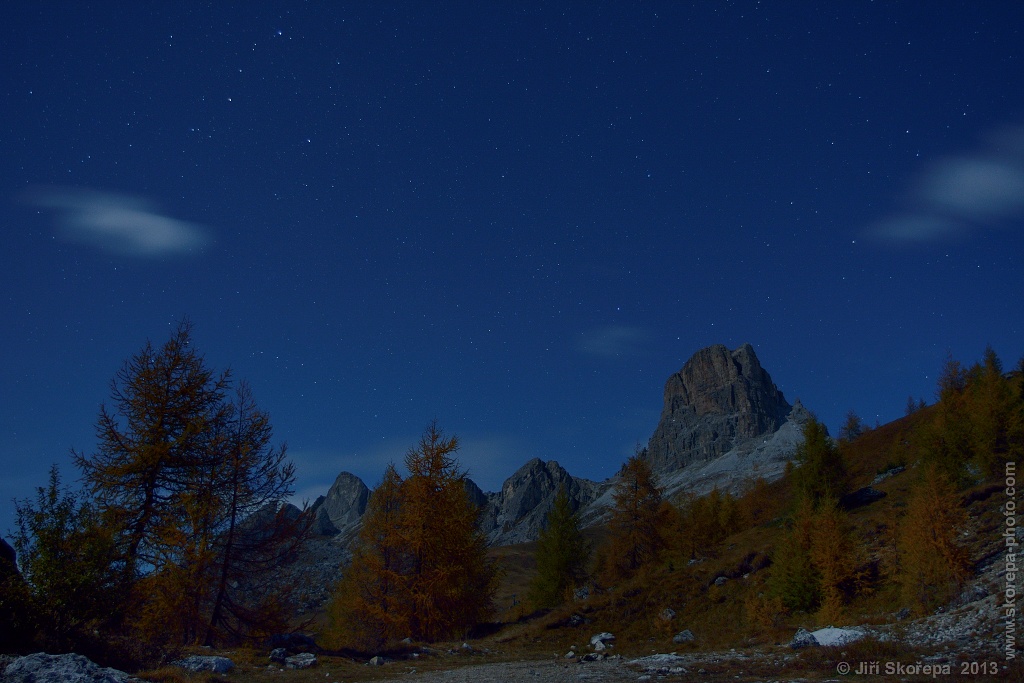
point(723, 423)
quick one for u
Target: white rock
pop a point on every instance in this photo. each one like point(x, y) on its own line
point(831, 636)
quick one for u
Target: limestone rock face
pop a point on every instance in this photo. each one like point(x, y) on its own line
point(719, 399)
point(344, 504)
point(517, 512)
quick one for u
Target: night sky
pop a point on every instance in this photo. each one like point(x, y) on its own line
point(516, 218)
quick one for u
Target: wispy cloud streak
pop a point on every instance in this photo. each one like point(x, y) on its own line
point(984, 189)
point(614, 341)
point(119, 223)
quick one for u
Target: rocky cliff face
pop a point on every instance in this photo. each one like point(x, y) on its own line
point(516, 513)
point(718, 400)
point(343, 506)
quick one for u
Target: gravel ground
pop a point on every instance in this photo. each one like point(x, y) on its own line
point(545, 671)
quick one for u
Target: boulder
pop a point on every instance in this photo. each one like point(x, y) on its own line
point(303, 660)
point(861, 497)
point(831, 636)
point(377, 660)
point(196, 663)
point(602, 641)
point(278, 655)
point(68, 668)
point(685, 636)
point(802, 639)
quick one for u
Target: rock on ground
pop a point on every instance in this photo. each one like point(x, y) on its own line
point(70, 668)
point(218, 665)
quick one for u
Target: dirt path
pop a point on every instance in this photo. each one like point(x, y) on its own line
point(544, 671)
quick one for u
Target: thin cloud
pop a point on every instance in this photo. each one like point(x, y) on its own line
point(614, 341)
point(957, 195)
point(119, 223)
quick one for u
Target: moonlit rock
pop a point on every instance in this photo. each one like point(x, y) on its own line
point(831, 636)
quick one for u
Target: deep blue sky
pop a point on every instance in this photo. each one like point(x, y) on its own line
point(517, 218)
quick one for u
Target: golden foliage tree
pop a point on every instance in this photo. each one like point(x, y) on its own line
point(369, 607)
point(193, 490)
point(421, 568)
point(834, 554)
point(932, 562)
point(152, 441)
point(705, 521)
point(638, 521)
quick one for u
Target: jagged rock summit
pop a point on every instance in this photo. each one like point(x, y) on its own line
point(515, 514)
point(718, 400)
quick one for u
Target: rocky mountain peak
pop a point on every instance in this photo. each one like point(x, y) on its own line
point(343, 506)
point(719, 399)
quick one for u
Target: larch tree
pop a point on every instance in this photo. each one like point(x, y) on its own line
point(794, 579)
point(637, 524)
point(192, 487)
point(451, 583)
point(152, 442)
point(254, 533)
point(369, 607)
point(834, 555)
point(562, 555)
point(932, 562)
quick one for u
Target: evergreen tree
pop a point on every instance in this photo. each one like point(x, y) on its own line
point(852, 427)
point(821, 471)
point(794, 579)
point(638, 520)
point(562, 555)
point(68, 564)
point(705, 521)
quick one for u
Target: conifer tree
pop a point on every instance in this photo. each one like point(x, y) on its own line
point(151, 443)
point(637, 524)
point(253, 533)
point(370, 606)
point(420, 569)
point(707, 520)
point(794, 579)
point(68, 564)
point(193, 490)
point(821, 471)
point(933, 563)
point(451, 583)
point(562, 555)
point(834, 555)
